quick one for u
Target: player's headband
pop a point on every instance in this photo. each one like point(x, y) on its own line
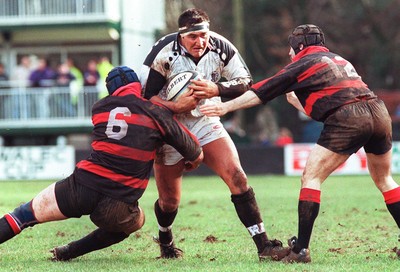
point(200, 27)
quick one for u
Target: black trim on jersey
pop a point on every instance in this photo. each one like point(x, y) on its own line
point(160, 45)
point(154, 86)
point(222, 47)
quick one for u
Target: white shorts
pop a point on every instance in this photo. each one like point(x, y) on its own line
point(206, 129)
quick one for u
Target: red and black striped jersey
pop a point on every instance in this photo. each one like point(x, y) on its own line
point(323, 81)
point(127, 131)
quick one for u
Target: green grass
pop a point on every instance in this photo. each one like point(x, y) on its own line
point(354, 231)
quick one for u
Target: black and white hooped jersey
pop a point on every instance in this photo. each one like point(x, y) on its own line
point(220, 61)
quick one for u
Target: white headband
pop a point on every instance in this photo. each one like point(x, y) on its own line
point(200, 27)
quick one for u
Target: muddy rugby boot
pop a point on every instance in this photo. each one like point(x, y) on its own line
point(273, 250)
point(168, 251)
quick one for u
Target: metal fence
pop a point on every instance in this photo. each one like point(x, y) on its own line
point(34, 107)
point(32, 8)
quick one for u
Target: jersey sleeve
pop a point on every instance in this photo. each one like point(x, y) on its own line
point(152, 81)
point(153, 74)
point(276, 85)
point(237, 75)
point(177, 135)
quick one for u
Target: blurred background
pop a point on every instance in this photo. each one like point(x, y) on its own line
point(54, 56)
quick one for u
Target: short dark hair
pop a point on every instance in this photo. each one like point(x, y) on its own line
point(192, 16)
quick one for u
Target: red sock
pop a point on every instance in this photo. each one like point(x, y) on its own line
point(13, 224)
point(310, 195)
point(392, 196)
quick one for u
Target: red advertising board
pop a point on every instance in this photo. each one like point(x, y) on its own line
point(295, 156)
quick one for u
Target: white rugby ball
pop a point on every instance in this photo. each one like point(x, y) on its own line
point(179, 84)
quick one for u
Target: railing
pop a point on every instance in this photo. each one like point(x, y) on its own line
point(22, 12)
point(46, 107)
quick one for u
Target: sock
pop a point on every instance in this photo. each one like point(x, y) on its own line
point(13, 223)
point(249, 214)
point(6, 232)
point(392, 200)
point(308, 209)
point(165, 220)
point(95, 240)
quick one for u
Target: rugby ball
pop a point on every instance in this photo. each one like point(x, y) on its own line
point(179, 84)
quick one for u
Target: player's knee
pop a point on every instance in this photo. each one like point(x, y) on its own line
point(22, 217)
point(137, 223)
point(236, 180)
point(169, 204)
point(121, 217)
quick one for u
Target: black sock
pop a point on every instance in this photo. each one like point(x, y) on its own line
point(96, 240)
point(249, 214)
point(165, 220)
point(307, 213)
point(6, 231)
point(394, 210)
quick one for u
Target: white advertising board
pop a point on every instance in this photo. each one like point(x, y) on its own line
point(36, 162)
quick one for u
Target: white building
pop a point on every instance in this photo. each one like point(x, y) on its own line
point(123, 30)
point(82, 30)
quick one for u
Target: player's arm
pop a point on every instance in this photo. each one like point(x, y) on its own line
point(185, 103)
point(238, 81)
point(153, 81)
point(246, 100)
point(292, 99)
point(178, 136)
point(228, 89)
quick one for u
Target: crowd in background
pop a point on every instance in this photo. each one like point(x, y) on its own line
point(35, 73)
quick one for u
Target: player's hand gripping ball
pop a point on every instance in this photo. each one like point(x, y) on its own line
point(179, 84)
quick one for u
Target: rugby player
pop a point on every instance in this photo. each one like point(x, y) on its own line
point(327, 88)
point(108, 184)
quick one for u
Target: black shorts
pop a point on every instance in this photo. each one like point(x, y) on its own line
point(363, 124)
point(75, 200)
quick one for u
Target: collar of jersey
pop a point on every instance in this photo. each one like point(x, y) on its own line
point(134, 88)
point(310, 50)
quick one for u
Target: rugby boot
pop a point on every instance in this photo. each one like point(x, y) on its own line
point(302, 257)
point(273, 250)
point(61, 253)
point(168, 251)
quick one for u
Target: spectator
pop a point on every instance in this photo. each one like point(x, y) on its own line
point(76, 85)
point(91, 75)
point(20, 75)
point(104, 66)
point(62, 99)
point(284, 137)
point(42, 77)
point(265, 128)
point(19, 81)
point(3, 84)
point(91, 78)
point(64, 77)
point(237, 133)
